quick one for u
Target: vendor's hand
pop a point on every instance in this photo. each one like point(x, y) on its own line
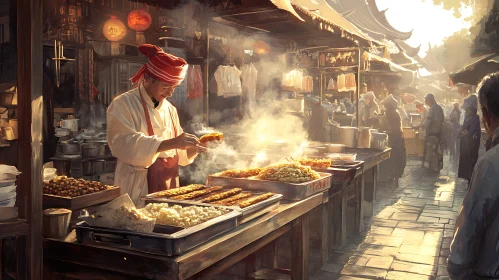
point(187, 141)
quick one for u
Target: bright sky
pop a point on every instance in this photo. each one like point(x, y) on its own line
point(431, 23)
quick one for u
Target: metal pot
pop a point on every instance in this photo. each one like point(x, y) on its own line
point(99, 166)
point(56, 222)
point(93, 150)
point(70, 148)
point(63, 166)
point(110, 165)
point(87, 167)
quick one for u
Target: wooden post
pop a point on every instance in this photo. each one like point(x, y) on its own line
point(300, 248)
point(206, 80)
point(321, 93)
point(357, 92)
point(30, 116)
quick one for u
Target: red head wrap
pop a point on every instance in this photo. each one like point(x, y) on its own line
point(161, 66)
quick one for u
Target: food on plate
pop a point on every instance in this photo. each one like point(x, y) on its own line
point(176, 215)
point(211, 137)
point(254, 200)
point(322, 163)
point(178, 191)
point(288, 172)
point(240, 173)
point(222, 195)
point(70, 187)
point(195, 194)
point(232, 200)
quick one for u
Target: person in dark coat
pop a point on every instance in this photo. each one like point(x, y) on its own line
point(469, 139)
point(391, 124)
point(454, 118)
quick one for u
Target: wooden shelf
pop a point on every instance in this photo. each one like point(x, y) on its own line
point(64, 110)
point(12, 229)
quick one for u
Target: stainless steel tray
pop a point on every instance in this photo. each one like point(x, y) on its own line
point(165, 240)
point(289, 191)
point(247, 214)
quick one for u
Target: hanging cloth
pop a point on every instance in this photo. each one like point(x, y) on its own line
point(249, 76)
point(194, 82)
point(341, 83)
point(332, 84)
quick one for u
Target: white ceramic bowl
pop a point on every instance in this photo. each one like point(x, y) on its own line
point(7, 196)
point(8, 203)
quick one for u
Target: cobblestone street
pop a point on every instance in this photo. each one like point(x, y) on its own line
point(411, 231)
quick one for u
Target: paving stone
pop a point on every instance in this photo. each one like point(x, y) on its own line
point(398, 275)
point(404, 216)
point(419, 250)
point(380, 262)
point(349, 278)
point(412, 258)
point(442, 261)
point(414, 268)
point(362, 260)
point(442, 271)
point(384, 240)
point(423, 219)
point(444, 252)
point(449, 233)
point(332, 267)
point(383, 251)
point(443, 221)
point(382, 230)
point(361, 271)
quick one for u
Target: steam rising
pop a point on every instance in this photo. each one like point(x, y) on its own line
point(269, 135)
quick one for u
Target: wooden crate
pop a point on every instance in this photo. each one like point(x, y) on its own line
point(80, 202)
point(414, 146)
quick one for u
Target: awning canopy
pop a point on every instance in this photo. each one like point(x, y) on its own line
point(473, 73)
point(392, 66)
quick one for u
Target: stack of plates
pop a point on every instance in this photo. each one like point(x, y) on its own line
point(8, 187)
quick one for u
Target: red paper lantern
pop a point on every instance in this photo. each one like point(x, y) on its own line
point(139, 20)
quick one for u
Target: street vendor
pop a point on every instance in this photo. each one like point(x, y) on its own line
point(371, 109)
point(143, 129)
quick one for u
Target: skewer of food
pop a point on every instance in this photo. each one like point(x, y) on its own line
point(178, 191)
point(215, 137)
point(195, 194)
point(222, 195)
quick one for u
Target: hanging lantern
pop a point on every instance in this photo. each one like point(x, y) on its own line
point(260, 47)
point(114, 30)
point(139, 20)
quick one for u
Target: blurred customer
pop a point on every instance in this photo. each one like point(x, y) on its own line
point(469, 138)
point(391, 124)
point(371, 109)
point(474, 253)
point(454, 118)
point(433, 125)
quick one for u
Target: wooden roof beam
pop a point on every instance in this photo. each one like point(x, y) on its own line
point(243, 11)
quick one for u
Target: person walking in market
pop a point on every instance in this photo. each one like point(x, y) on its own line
point(433, 158)
point(370, 110)
point(391, 124)
point(473, 252)
point(143, 128)
point(469, 138)
point(454, 118)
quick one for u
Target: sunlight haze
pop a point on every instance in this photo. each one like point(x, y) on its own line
point(431, 23)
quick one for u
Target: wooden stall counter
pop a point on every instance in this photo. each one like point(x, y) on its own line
point(67, 258)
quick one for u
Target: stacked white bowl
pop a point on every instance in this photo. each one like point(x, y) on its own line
point(8, 175)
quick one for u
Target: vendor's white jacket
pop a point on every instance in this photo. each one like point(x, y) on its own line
point(130, 143)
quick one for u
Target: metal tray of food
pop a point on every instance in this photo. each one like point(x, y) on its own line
point(247, 214)
point(289, 191)
point(164, 240)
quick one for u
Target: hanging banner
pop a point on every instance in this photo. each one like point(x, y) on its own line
point(339, 58)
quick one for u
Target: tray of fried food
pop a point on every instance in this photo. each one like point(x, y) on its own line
point(177, 191)
point(316, 163)
point(214, 137)
point(290, 172)
point(240, 173)
point(250, 204)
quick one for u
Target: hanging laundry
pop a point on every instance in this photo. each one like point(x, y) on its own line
point(194, 82)
point(350, 83)
point(340, 81)
point(228, 79)
point(249, 76)
point(331, 85)
point(307, 84)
